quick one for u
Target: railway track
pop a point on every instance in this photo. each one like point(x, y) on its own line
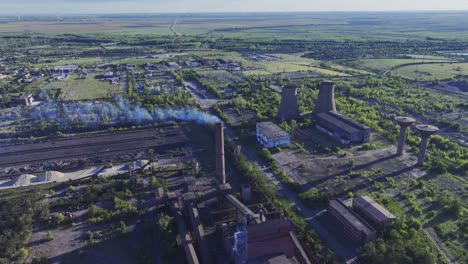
point(84, 147)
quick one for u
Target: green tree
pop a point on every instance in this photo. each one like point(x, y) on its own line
point(122, 228)
point(153, 182)
point(50, 236)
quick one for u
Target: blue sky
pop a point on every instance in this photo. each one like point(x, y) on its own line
point(182, 6)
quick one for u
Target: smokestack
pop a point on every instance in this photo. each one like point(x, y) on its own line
point(289, 108)
point(326, 98)
point(426, 131)
point(220, 165)
point(404, 123)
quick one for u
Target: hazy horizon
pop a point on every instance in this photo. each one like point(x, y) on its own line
point(34, 7)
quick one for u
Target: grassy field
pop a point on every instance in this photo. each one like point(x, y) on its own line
point(77, 61)
point(306, 26)
point(382, 65)
point(429, 72)
point(219, 79)
point(285, 63)
point(83, 89)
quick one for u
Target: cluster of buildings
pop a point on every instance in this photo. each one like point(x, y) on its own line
point(258, 57)
point(227, 228)
point(354, 227)
point(67, 69)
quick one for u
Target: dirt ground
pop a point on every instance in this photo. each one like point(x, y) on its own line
point(327, 172)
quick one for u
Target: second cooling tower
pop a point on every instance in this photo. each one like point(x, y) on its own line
point(326, 98)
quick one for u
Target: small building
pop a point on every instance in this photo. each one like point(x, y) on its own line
point(374, 211)
point(349, 223)
point(60, 77)
point(65, 69)
point(173, 65)
point(27, 99)
point(108, 74)
point(271, 135)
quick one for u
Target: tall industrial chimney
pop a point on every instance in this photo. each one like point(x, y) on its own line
point(326, 98)
point(289, 108)
point(220, 165)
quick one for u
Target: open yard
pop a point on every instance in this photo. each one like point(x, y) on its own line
point(219, 79)
point(382, 65)
point(74, 88)
point(429, 72)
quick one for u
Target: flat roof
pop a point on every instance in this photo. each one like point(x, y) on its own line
point(377, 211)
point(351, 217)
point(271, 130)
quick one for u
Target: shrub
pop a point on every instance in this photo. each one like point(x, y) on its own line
point(50, 236)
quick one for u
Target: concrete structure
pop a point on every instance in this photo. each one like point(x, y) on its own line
point(185, 238)
point(326, 98)
point(271, 135)
point(65, 69)
point(339, 127)
point(289, 108)
point(272, 241)
point(404, 123)
point(27, 98)
point(426, 131)
point(250, 217)
point(269, 238)
point(220, 163)
point(348, 222)
point(246, 193)
point(373, 210)
point(197, 227)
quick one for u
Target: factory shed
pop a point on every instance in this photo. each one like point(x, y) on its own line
point(343, 128)
point(271, 135)
point(373, 210)
point(349, 223)
point(327, 120)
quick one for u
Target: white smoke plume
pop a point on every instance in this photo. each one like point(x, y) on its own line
point(119, 111)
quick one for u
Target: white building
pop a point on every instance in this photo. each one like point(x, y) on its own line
point(65, 69)
point(271, 135)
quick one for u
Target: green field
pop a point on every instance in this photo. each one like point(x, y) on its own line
point(78, 61)
point(83, 89)
point(430, 72)
point(382, 65)
point(219, 79)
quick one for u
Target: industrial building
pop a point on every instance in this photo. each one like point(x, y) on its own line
point(227, 229)
point(349, 223)
point(65, 69)
point(271, 135)
point(372, 210)
point(269, 240)
point(327, 120)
